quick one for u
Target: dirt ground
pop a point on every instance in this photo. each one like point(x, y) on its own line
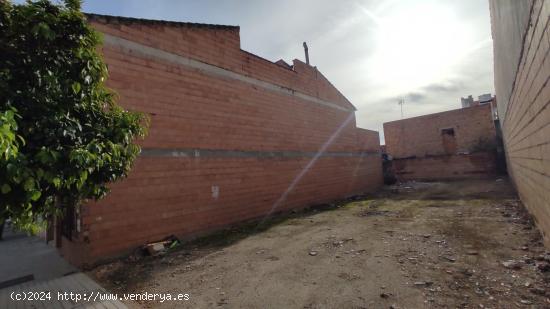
point(466, 244)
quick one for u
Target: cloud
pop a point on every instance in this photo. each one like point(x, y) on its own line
point(415, 96)
point(442, 87)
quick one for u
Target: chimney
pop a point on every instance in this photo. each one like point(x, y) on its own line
point(307, 54)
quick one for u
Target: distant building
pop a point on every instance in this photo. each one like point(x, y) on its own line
point(482, 100)
point(460, 143)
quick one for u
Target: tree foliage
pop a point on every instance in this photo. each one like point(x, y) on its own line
point(63, 138)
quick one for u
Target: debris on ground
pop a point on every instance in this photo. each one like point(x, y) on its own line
point(161, 247)
point(462, 244)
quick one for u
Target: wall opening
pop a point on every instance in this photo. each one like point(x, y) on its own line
point(449, 141)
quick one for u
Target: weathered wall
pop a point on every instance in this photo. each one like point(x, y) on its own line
point(422, 151)
point(422, 136)
point(521, 38)
point(446, 167)
point(232, 137)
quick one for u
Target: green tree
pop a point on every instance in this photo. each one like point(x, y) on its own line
point(63, 138)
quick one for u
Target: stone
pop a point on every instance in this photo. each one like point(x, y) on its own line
point(511, 264)
point(423, 283)
point(538, 291)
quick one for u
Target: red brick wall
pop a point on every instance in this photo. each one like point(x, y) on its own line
point(422, 136)
point(476, 165)
point(521, 37)
point(221, 148)
point(368, 140)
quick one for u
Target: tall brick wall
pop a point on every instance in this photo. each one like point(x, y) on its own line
point(232, 137)
point(421, 150)
point(521, 38)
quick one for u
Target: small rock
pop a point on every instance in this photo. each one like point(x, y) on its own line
point(472, 252)
point(384, 295)
point(526, 302)
point(423, 283)
point(449, 258)
point(313, 253)
point(511, 264)
point(528, 260)
point(538, 291)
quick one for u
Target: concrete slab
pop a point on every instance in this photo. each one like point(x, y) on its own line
point(34, 275)
point(24, 256)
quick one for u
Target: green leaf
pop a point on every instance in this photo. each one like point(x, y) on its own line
point(5, 188)
point(76, 87)
point(35, 195)
point(56, 182)
point(29, 184)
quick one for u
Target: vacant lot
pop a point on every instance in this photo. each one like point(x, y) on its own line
point(459, 244)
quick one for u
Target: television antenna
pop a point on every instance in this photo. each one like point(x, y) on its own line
point(401, 102)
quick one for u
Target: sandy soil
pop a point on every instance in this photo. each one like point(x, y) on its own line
point(465, 244)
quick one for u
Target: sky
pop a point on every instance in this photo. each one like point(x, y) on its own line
point(429, 52)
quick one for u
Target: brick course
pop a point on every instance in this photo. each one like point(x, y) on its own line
point(221, 149)
point(522, 74)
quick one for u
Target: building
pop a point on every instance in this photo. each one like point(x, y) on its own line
point(233, 137)
point(521, 44)
point(481, 100)
point(454, 144)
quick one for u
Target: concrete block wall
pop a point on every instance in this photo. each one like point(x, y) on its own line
point(521, 39)
point(422, 136)
point(232, 137)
